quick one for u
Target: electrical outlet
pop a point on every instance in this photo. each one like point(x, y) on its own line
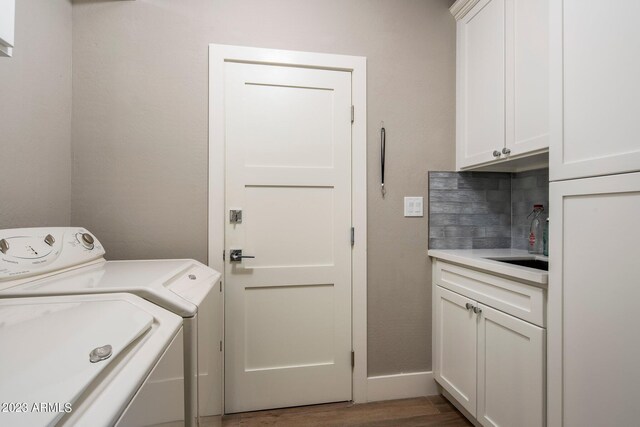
point(413, 206)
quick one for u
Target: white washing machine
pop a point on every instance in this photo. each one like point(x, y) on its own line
point(69, 261)
point(86, 360)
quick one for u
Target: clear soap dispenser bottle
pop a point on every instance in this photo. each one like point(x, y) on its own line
point(536, 230)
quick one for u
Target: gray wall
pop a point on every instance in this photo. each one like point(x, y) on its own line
point(35, 118)
point(140, 131)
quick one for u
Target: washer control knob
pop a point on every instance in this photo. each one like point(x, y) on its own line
point(87, 240)
point(4, 246)
point(49, 240)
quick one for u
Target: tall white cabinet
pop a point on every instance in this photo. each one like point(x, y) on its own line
point(502, 81)
point(595, 64)
point(593, 346)
point(594, 290)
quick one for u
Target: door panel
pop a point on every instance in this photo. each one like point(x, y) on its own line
point(511, 356)
point(270, 332)
point(456, 337)
point(288, 168)
point(304, 242)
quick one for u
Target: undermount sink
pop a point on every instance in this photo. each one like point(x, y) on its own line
point(531, 263)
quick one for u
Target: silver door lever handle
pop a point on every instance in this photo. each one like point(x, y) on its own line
point(235, 255)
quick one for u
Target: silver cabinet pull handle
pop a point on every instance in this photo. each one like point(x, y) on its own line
point(496, 153)
point(477, 310)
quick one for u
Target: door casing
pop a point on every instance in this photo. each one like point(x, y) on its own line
point(357, 66)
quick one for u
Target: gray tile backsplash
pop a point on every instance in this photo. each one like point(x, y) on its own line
point(469, 210)
point(483, 210)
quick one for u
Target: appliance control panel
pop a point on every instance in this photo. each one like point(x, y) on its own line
point(27, 252)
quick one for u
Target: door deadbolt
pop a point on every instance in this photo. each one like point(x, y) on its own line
point(235, 216)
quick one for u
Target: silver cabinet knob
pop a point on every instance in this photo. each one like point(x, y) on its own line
point(469, 306)
point(477, 310)
point(496, 153)
point(506, 150)
point(49, 240)
point(87, 240)
point(4, 246)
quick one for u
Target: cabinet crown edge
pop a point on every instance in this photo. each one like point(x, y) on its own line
point(461, 7)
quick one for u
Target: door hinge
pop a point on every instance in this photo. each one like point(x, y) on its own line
point(223, 254)
point(220, 285)
point(353, 359)
point(353, 113)
point(353, 236)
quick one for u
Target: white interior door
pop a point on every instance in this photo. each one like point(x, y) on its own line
point(288, 169)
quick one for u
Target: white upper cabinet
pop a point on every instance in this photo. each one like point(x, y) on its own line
point(595, 64)
point(7, 26)
point(480, 92)
point(527, 76)
point(502, 82)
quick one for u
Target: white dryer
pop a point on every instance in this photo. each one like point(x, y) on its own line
point(38, 262)
point(86, 360)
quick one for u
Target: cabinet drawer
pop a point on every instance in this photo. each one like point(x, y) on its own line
point(509, 296)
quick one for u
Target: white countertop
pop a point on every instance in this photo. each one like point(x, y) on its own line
point(478, 258)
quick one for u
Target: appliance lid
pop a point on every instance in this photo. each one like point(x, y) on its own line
point(53, 349)
point(154, 280)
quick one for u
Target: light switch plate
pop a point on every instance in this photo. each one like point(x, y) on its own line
point(413, 206)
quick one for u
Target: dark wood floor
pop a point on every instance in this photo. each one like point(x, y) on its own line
point(422, 411)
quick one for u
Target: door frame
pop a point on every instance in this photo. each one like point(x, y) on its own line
point(357, 66)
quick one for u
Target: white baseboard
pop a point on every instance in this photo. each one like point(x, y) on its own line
point(401, 386)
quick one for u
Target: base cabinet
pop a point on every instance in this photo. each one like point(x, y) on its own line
point(511, 373)
point(456, 335)
point(490, 362)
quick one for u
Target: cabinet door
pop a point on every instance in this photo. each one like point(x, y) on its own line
point(594, 294)
point(594, 88)
point(527, 83)
point(511, 371)
point(480, 111)
point(455, 334)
